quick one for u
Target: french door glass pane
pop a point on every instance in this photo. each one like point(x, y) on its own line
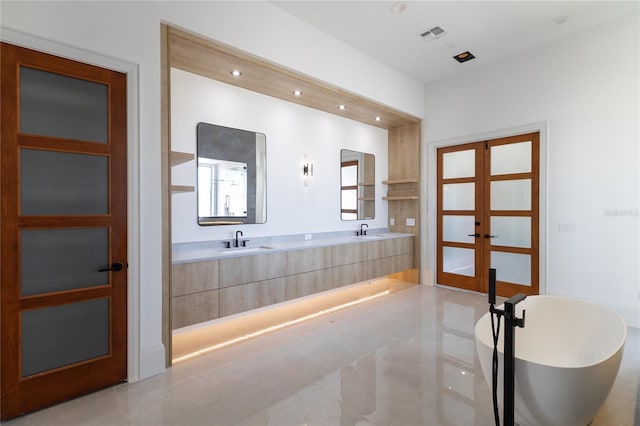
point(457, 229)
point(63, 259)
point(58, 106)
point(458, 196)
point(511, 194)
point(459, 261)
point(511, 231)
point(459, 164)
point(62, 183)
point(349, 199)
point(512, 267)
point(349, 176)
point(56, 336)
point(511, 158)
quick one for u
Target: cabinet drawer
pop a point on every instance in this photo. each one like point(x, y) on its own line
point(194, 308)
point(245, 297)
point(247, 269)
point(308, 283)
point(307, 260)
point(196, 277)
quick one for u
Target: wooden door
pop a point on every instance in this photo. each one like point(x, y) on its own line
point(488, 215)
point(63, 230)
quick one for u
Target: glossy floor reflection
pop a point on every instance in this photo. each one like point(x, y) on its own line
point(404, 359)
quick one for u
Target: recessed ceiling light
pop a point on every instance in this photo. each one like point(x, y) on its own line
point(398, 7)
point(297, 93)
point(342, 107)
point(378, 118)
point(236, 73)
point(464, 56)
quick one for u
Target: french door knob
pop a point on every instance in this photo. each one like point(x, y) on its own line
point(114, 267)
point(489, 236)
point(474, 235)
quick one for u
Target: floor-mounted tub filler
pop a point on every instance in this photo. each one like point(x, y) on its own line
point(566, 359)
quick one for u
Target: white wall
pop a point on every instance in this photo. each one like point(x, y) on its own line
point(586, 88)
point(130, 31)
point(292, 131)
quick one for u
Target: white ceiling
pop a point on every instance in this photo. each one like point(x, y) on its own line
point(489, 29)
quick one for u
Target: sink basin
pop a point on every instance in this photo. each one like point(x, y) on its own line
point(372, 236)
point(236, 250)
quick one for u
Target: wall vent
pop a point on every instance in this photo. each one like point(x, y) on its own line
point(433, 33)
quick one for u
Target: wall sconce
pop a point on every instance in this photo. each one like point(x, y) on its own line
point(307, 171)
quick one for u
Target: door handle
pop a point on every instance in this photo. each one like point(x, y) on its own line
point(474, 235)
point(489, 236)
point(114, 267)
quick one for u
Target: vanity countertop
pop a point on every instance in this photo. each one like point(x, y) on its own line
point(207, 250)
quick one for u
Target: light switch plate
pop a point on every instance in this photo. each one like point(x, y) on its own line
point(567, 227)
point(411, 221)
point(392, 221)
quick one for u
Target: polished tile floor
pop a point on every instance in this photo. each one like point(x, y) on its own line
point(404, 359)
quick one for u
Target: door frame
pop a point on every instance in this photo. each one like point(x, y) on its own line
point(429, 206)
point(133, 165)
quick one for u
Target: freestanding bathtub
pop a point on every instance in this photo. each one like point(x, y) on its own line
point(567, 358)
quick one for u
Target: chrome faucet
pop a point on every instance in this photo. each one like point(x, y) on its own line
point(236, 242)
point(362, 231)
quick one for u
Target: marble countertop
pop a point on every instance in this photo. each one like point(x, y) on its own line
point(210, 250)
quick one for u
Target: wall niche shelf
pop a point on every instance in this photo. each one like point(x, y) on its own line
point(178, 158)
point(399, 181)
point(405, 189)
point(175, 189)
point(400, 197)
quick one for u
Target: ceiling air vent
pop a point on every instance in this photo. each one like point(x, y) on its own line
point(433, 33)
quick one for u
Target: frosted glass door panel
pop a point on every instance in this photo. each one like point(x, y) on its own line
point(511, 158)
point(512, 267)
point(63, 259)
point(62, 183)
point(58, 106)
point(511, 194)
point(459, 164)
point(459, 261)
point(458, 196)
point(457, 229)
point(511, 231)
point(61, 335)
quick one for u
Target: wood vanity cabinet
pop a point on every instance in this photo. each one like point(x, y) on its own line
point(211, 289)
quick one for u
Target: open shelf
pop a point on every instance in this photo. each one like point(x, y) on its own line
point(366, 184)
point(400, 197)
point(182, 188)
point(399, 181)
point(181, 157)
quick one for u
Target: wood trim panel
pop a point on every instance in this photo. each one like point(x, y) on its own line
point(209, 58)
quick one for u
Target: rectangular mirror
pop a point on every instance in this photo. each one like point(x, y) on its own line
point(357, 185)
point(231, 176)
